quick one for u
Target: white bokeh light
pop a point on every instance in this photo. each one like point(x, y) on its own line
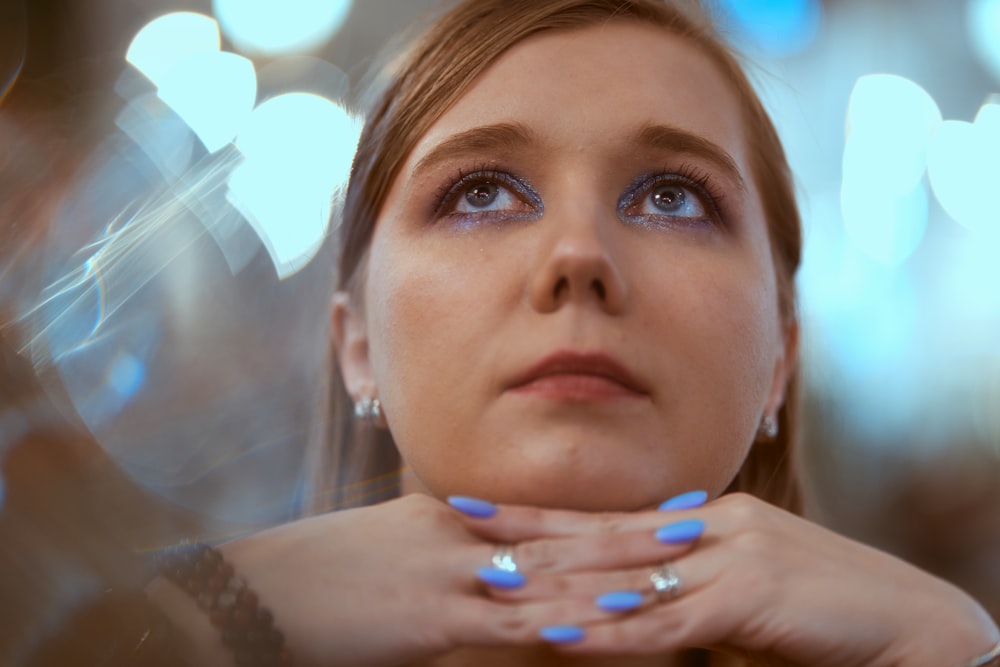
point(890, 121)
point(964, 170)
point(213, 92)
point(298, 149)
point(170, 39)
point(885, 226)
point(273, 28)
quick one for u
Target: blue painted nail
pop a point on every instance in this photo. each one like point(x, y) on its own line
point(562, 634)
point(681, 531)
point(500, 578)
point(685, 501)
point(474, 507)
point(619, 600)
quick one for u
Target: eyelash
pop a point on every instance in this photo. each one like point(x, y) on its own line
point(447, 195)
point(686, 175)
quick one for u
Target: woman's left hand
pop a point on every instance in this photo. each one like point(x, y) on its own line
point(758, 581)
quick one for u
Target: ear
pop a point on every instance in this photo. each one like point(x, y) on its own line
point(350, 340)
point(784, 367)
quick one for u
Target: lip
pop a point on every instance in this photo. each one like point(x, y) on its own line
point(579, 376)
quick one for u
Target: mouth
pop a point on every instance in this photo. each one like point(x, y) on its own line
point(579, 377)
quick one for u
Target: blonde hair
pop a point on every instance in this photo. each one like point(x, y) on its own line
point(429, 78)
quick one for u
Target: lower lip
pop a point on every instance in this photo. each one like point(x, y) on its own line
point(577, 388)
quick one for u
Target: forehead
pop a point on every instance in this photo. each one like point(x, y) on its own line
point(591, 85)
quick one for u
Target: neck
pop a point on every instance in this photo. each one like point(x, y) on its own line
point(544, 656)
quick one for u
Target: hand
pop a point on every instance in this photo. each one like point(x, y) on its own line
point(759, 581)
point(397, 582)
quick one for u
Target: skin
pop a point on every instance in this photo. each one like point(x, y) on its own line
point(456, 304)
point(572, 255)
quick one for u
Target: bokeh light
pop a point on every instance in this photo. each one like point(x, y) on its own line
point(126, 375)
point(886, 226)
point(890, 121)
point(776, 28)
point(964, 170)
point(298, 149)
point(214, 93)
point(273, 28)
point(983, 24)
point(166, 41)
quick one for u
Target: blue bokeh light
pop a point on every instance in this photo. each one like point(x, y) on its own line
point(774, 27)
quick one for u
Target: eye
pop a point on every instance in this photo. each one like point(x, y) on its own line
point(674, 199)
point(488, 195)
point(669, 198)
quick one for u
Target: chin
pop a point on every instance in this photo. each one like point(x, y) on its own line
point(590, 493)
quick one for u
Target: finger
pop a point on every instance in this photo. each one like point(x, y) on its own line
point(698, 617)
point(701, 611)
point(587, 585)
point(516, 523)
point(694, 620)
point(484, 622)
point(528, 563)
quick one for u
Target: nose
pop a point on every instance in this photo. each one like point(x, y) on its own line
point(578, 266)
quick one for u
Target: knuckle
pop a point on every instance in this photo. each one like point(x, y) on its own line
point(608, 524)
point(513, 626)
point(540, 556)
point(752, 543)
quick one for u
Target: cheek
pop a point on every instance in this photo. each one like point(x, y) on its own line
point(431, 309)
point(719, 316)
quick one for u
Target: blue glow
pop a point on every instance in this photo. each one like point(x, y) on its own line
point(775, 27)
point(983, 23)
point(159, 133)
point(126, 375)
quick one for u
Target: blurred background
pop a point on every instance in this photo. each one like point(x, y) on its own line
point(164, 205)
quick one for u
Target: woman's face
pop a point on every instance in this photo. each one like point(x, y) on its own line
point(570, 298)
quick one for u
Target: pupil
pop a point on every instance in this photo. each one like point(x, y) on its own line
point(482, 194)
point(668, 198)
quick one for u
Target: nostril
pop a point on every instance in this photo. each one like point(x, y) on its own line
point(561, 285)
point(598, 288)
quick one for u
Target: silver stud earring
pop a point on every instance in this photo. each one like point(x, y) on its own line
point(368, 409)
point(768, 429)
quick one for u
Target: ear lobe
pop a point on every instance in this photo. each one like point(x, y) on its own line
point(350, 340)
point(784, 367)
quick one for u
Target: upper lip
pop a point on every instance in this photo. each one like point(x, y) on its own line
point(597, 364)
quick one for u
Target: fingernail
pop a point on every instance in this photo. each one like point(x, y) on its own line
point(562, 634)
point(681, 531)
point(685, 501)
point(474, 507)
point(619, 600)
point(500, 578)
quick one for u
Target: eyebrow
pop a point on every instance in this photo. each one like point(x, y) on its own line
point(675, 140)
point(478, 140)
point(514, 135)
